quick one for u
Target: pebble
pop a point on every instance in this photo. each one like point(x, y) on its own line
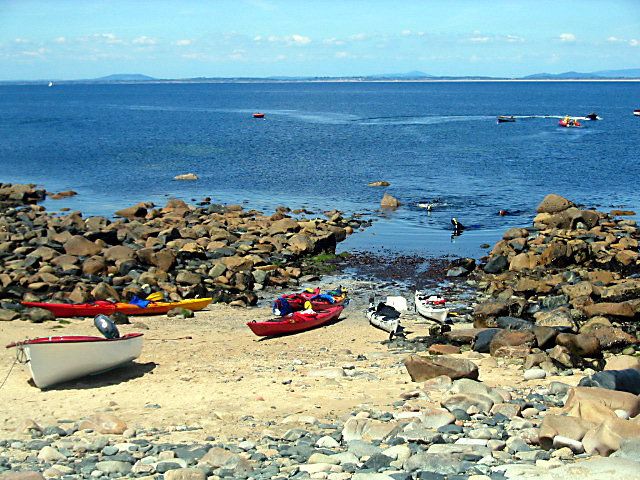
point(535, 374)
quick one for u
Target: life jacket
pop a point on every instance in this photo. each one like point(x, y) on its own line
point(281, 307)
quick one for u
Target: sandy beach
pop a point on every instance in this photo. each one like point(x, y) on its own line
point(211, 371)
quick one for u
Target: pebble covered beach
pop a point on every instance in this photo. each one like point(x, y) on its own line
point(536, 375)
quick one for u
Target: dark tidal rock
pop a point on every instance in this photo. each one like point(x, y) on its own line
point(621, 380)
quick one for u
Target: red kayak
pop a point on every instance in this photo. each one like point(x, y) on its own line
point(295, 322)
point(319, 301)
point(105, 307)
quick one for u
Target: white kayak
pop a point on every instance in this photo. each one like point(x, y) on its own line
point(431, 306)
point(384, 317)
point(54, 360)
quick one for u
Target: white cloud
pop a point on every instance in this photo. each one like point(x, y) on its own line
point(107, 37)
point(358, 36)
point(182, 43)
point(333, 41)
point(567, 37)
point(144, 40)
point(406, 33)
point(344, 55)
point(257, 38)
point(21, 40)
point(300, 40)
point(60, 40)
point(514, 38)
point(632, 42)
point(479, 39)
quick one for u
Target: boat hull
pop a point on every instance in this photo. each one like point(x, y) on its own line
point(295, 322)
point(383, 322)
point(53, 360)
point(425, 306)
point(107, 308)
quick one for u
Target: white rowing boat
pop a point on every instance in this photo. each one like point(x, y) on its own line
point(431, 306)
point(384, 317)
point(53, 360)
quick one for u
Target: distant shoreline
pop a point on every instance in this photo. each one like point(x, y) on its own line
point(320, 80)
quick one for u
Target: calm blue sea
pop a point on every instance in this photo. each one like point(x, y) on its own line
point(321, 143)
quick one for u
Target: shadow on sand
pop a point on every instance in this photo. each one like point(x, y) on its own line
point(124, 373)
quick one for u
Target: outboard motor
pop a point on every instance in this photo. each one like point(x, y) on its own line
point(106, 326)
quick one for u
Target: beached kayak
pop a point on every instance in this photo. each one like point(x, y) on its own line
point(295, 322)
point(319, 301)
point(383, 316)
point(107, 308)
point(431, 306)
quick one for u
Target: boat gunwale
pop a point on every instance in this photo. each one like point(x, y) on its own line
point(67, 339)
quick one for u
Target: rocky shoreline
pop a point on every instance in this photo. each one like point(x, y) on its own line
point(537, 374)
point(210, 250)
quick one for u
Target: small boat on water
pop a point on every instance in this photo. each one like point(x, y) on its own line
point(53, 360)
point(295, 321)
point(105, 307)
point(383, 316)
point(504, 118)
point(592, 116)
point(431, 306)
point(636, 113)
point(51, 84)
point(258, 115)
point(569, 122)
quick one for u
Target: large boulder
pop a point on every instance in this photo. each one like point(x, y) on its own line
point(389, 201)
point(422, 368)
point(570, 427)
point(553, 203)
point(510, 338)
point(607, 437)
point(627, 380)
point(596, 404)
point(79, 246)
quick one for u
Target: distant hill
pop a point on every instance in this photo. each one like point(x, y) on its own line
point(412, 75)
point(602, 74)
point(409, 75)
point(627, 73)
point(415, 75)
point(125, 77)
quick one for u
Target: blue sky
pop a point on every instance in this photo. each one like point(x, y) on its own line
point(75, 39)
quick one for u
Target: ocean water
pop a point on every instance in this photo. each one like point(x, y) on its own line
point(321, 143)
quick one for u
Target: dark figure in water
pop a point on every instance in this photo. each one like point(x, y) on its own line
point(457, 226)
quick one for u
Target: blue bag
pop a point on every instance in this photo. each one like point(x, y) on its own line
point(281, 307)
